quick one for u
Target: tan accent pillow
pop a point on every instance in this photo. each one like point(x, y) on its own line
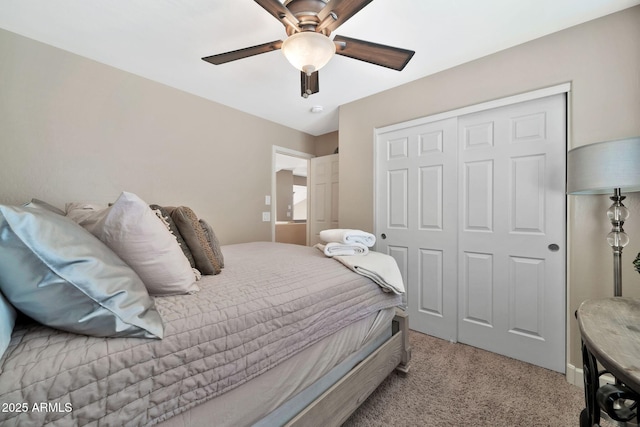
point(213, 242)
point(192, 232)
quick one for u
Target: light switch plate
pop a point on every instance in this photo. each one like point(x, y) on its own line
point(266, 216)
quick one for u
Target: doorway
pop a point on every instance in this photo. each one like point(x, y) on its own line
point(290, 200)
point(472, 207)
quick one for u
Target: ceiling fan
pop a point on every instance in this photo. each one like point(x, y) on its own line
point(309, 24)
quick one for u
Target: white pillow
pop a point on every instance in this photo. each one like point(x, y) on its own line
point(131, 229)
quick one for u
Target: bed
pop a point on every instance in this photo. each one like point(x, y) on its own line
point(283, 336)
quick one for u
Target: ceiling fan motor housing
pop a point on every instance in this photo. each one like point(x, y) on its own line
point(306, 11)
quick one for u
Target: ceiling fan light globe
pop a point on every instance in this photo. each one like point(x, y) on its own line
point(308, 51)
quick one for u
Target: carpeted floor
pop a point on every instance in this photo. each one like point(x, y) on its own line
point(458, 385)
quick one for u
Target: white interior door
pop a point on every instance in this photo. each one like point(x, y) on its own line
point(473, 211)
point(323, 185)
point(511, 231)
point(417, 221)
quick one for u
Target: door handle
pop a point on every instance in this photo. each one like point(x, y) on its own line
point(553, 247)
point(384, 236)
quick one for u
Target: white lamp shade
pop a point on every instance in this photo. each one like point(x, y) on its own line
point(600, 168)
point(308, 51)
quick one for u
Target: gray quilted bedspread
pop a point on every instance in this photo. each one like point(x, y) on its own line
point(270, 302)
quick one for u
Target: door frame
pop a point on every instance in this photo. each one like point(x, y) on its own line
point(500, 102)
point(276, 149)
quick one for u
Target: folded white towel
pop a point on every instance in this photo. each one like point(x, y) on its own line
point(345, 235)
point(333, 249)
point(380, 268)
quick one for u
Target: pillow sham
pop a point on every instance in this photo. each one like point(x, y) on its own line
point(173, 229)
point(131, 229)
point(213, 241)
point(193, 234)
point(42, 204)
point(85, 214)
point(57, 273)
point(7, 322)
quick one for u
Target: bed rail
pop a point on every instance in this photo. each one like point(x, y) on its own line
point(335, 405)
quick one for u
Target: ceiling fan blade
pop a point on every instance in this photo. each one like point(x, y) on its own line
point(341, 10)
point(309, 84)
point(223, 58)
point(279, 11)
point(373, 53)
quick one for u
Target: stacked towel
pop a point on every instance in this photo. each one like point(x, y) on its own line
point(334, 249)
point(347, 236)
point(380, 268)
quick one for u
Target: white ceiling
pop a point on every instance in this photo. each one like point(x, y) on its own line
point(297, 165)
point(164, 40)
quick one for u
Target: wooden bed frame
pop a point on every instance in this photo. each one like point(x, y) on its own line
point(338, 403)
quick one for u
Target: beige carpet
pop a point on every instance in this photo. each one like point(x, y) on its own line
point(458, 385)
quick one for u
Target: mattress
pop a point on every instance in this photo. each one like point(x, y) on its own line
point(271, 302)
point(275, 397)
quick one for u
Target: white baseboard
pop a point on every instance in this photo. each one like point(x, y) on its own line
point(575, 376)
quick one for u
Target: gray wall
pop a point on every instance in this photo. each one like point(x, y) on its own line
point(76, 130)
point(326, 144)
point(284, 195)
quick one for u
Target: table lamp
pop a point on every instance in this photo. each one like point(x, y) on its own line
point(605, 168)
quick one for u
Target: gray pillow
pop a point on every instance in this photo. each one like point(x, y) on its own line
point(174, 230)
point(213, 241)
point(7, 322)
point(192, 232)
point(57, 273)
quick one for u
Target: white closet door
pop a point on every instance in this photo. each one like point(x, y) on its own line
point(473, 210)
point(416, 219)
point(512, 231)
